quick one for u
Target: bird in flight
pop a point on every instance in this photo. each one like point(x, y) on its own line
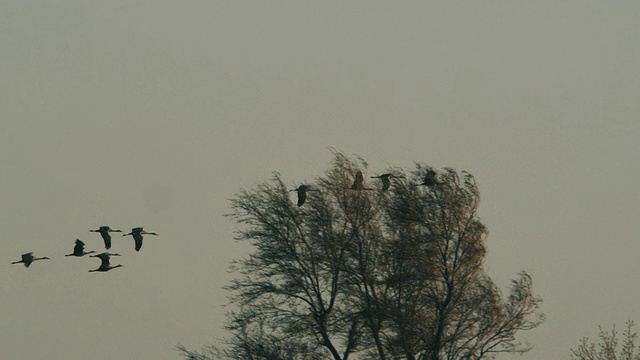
point(105, 265)
point(302, 193)
point(137, 233)
point(104, 231)
point(78, 250)
point(28, 258)
point(386, 180)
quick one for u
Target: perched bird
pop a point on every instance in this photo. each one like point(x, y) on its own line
point(78, 250)
point(104, 231)
point(302, 193)
point(386, 180)
point(137, 233)
point(105, 266)
point(430, 178)
point(28, 258)
point(358, 182)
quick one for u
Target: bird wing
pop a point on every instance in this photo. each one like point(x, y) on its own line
point(386, 183)
point(79, 248)
point(27, 259)
point(107, 239)
point(302, 196)
point(138, 239)
point(105, 259)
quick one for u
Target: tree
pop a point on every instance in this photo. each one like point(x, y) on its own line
point(367, 273)
point(607, 348)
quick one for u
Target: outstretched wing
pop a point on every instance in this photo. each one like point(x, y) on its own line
point(79, 248)
point(386, 183)
point(138, 240)
point(27, 259)
point(302, 197)
point(107, 239)
point(105, 259)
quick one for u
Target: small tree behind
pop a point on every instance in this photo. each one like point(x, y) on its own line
point(607, 348)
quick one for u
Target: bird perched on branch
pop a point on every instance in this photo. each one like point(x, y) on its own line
point(104, 231)
point(137, 233)
point(28, 258)
point(105, 265)
point(430, 179)
point(78, 250)
point(302, 193)
point(358, 182)
point(386, 180)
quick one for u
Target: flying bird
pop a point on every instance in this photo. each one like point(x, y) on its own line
point(104, 231)
point(302, 193)
point(105, 265)
point(137, 233)
point(78, 250)
point(28, 258)
point(386, 180)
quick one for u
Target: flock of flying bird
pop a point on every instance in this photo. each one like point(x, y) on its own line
point(358, 183)
point(138, 232)
point(78, 250)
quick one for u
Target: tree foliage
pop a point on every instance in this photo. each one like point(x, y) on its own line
point(607, 347)
point(367, 273)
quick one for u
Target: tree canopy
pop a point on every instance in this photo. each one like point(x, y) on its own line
point(356, 271)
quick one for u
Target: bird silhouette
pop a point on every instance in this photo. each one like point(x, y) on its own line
point(105, 265)
point(358, 182)
point(78, 250)
point(104, 231)
point(137, 233)
point(429, 179)
point(28, 258)
point(386, 180)
point(302, 193)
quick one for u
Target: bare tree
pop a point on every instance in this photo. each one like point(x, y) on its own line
point(362, 273)
point(607, 348)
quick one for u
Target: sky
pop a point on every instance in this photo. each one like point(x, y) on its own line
point(155, 113)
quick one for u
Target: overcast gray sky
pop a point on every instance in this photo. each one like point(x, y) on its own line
point(154, 113)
